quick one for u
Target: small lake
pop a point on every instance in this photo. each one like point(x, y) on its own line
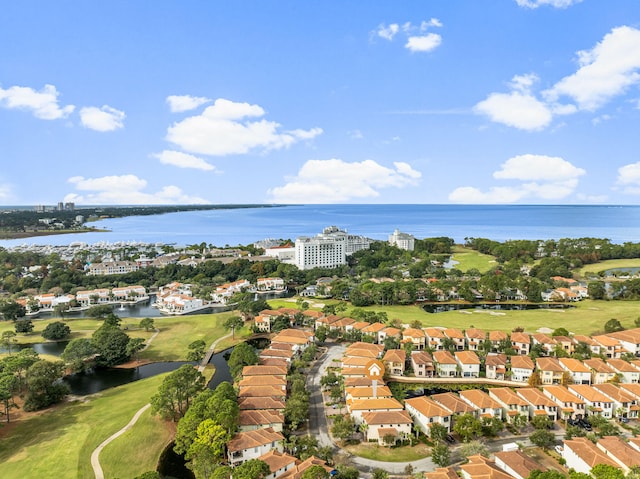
point(442, 308)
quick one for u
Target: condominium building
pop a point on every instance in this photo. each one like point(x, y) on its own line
point(402, 240)
point(328, 249)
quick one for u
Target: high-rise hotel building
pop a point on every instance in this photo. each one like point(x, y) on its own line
point(328, 249)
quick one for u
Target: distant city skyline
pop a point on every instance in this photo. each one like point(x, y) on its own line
point(424, 102)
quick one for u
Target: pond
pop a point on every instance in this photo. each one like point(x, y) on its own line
point(441, 308)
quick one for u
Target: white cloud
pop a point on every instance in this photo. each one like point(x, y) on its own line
point(629, 178)
point(225, 128)
point(423, 43)
point(592, 198)
point(537, 167)
point(43, 104)
point(182, 160)
point(605, 71)
point(544, 178)
point(335, 181)
point(125, 189)
point(471, 195)
point(433, 22)
point(516, 109)
point(388, 32)
point(553, 3)
point(179, 103)
point(102, 119)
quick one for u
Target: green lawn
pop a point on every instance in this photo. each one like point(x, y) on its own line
point(468, 258)
point(608, 264)
point(396, 454)
point(59, 442)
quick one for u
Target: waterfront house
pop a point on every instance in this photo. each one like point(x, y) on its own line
point(458, 338)
point(434, 337)
point(416, 337)
point(475, 337)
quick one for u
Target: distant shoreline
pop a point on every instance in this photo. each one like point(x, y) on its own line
point(12, 235)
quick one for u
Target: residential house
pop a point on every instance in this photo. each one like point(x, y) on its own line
point(624, 403)
point(628, 339)
point(479, 467)
point(224, 292)
point(495, 366)
point(580, 373)
point(384, 425)
point(435, 338)
point(426, 412)
point(550, 370)
point(521, 368)
point(581, 455)
point(497, 339)
point(270, 284)
point(564, 343)
point(445, 364)
point(422, 364)
point(521, 343)
point(278, 462)
point(372, 331)
point(624, 455)
point(512, 404)
point(261, 403)
point(594, 346)
point(394, 361)
point(475, 337)
point(628, 373)
point(360, 406)
point(253, 444)
point(468, 363)
point(571, 406)
point(457, 337)
point(547, 343)
point(301, 466)
point(453, 403)
point(517, 464)
point(260, 370)
point(368, 392)
point(484, 404)
point(540, 404)
point(609, 347)
point(250, 419)
point(389, 332)
point(601, 372)
point(442, 473)
point(596, 402)
point(416, 337)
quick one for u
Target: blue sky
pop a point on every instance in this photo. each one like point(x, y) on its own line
point(472, 101)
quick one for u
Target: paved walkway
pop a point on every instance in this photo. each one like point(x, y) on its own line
point(95, 455)
point(211, 351)
point(95, 461)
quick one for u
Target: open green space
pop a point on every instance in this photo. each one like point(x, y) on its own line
point(59, 442)
point(587, 317)
point(376, 452)
point(595, 268)
point(468, 258)
point(171, 344)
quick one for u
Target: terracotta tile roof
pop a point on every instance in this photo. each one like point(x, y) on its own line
point(362, 353)
point(395, 356)
point(442, 473)
point(254, 438)
point(562, 394)
point(373, 328)
point(260, 403)
point(367, 392)
point(508, 396)
point(259, 417)
point(480, 467)
point(589, 393)
point(260, 370)
point(278, 460)
point(474, 333)
point(453, 403)
point(355, 381)
point(519, 462)
point(421, 357)
point(281, 363)
point(453, 333)
point(387, 417)
point(574, 365)
point(518, 337)
point(522, 362)
point(413, 333)
point(357, 361)
point(620, 450)
point(444, 357)
point(375, 404)
point(588, 452)
point(434, 333)
point(261, 391)
point(622, 366)
point(535, 397)
point(467, 357)
point(480, 399)
point(360, 345)
point(427, 407)
point(599, 366)
point(549, 364)
point(497, 335)
point(495, 360)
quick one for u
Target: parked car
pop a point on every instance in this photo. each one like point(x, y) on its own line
point(450, 439)
point(559, 449)
point(623, 419)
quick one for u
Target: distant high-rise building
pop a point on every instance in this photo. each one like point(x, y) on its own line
point(60, 206)
point(40, 208)
point(69, 206)
point(328, 249)
point(402, 240)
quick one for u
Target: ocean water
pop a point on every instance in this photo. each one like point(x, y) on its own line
point(243, 226)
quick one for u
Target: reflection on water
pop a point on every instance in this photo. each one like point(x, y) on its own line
point(441, 308)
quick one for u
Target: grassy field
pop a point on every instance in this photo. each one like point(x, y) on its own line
point(468, 258)
point(171, 344)
point(609, 264)
point(399, 454)
point(59, 442)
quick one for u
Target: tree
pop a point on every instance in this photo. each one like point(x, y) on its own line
point(542, 438)
point(321, 333)
point(473, 448)
point(99, 311)
point(196, 351)
point(378, 473)
point(8, 386)
point(232, 323)
point(134, 346)
point(535, 380)
point(110, 343)
point(560, 332)
point(241, 356)
point(441, 455)
point(491, 426)
point(147, 324)
point(24, 326)
point(43, 385)
point(11, 310)
point(597, 290)
point(56, 331)
point(8, 339)
point(347, 472)
point(541, 422)
point(79, 355)
point(207, 450)
point(551, 474)
point(176, 393)
point(343, 427)
point(296, 410)
point(468, 427)
point(315, 472)
point(605, 471)
point(612, 326)
point(149, 475)
point(437, 432)
point(61, 309)
point(252, 469)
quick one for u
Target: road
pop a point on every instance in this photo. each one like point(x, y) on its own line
point(318, 421)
